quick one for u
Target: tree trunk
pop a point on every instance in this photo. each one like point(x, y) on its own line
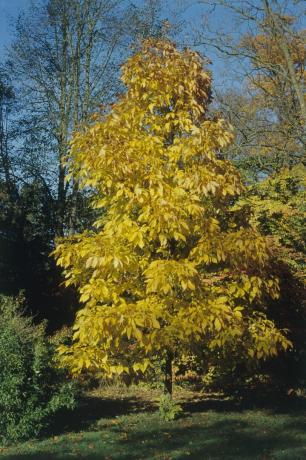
point(168, 375)
point(279, 34)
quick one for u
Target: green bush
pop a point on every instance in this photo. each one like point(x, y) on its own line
point(168, 409)
point(32, 389)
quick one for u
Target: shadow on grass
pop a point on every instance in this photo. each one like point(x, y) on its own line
point(229, 439)
point(91, 409)
point(213, 429)
point(274, 403)
point(232, 439)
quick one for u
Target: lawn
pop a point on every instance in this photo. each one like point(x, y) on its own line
point(117, 425)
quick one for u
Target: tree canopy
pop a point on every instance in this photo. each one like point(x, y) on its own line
point(169, 262)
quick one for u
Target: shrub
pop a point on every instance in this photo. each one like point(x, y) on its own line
point(32, 389)
point(168, 409)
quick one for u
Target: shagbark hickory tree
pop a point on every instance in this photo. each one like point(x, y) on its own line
point(169, 263)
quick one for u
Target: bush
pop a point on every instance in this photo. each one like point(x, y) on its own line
point(168, 409)
point(32, 389)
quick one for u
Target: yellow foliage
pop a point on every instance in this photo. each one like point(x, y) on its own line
point(169, 263)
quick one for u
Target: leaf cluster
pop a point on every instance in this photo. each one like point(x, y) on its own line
point(170, 262)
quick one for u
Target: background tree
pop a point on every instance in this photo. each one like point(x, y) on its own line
point(266, 107)
point(278, 206)
point(66, 57)
point(268, 111)
point(170, 265)
point(63, 64)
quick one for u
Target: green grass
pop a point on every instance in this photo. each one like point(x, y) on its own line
point(126, 426)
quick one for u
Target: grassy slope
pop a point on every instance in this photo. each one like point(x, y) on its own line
point(127, 427)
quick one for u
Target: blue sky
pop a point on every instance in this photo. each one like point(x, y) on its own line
point(9, 10)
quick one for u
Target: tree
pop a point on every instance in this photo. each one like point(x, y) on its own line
point(7, 100)
point(276, 136)
point(27, 223)
point(268, 112)
point(278, 205)
point(65, 60)
point(268, 116)
point(54, 61)
point(169, 264)
point(63, 63)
